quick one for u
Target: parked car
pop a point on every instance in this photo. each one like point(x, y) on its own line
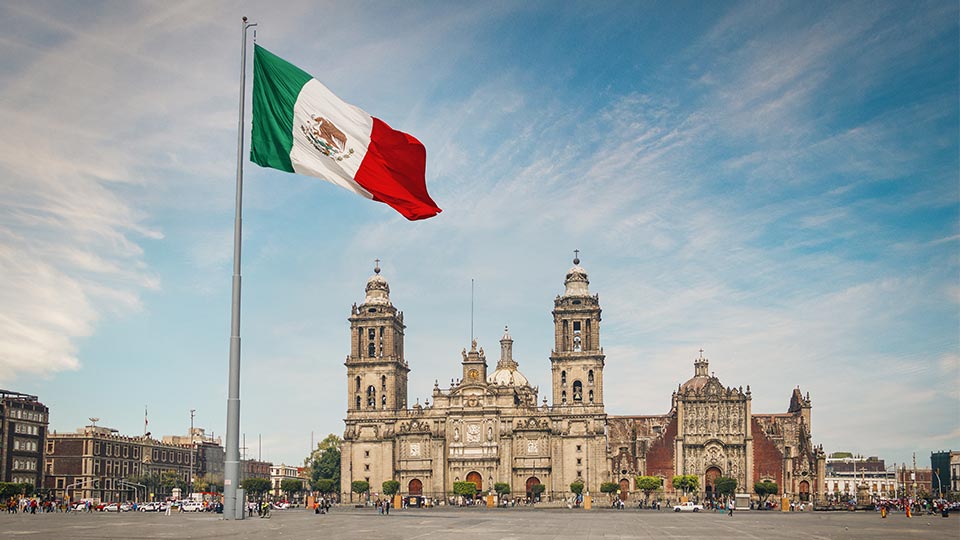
point(687, 507)
point(149, 507)
point(192, 506)
point(280, 505)
point(112, 507)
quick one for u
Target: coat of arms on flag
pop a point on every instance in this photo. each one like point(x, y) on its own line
point(327, 138)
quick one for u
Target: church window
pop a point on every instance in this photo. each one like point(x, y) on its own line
point(591, 396)
point(563, 397)
point(366, 453)
point(590, 377)
point(358, 383)
point(577, 391)
point(381, 341)
point(563, 377)
point(358, 402)
point(579, 461)
point(371, 347)
point(576, 335)
point(360, 340)
point(383, 382)
point(371, 396)
point(566, 334)
point(578, 448)
point(366, 466)
point(383, 401)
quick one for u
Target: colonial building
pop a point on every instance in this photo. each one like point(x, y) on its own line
point(487, 428)
point(23, 425)
point(711, 432)
point(98, 463)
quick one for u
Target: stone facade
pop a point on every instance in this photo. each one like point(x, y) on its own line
point(489, 428)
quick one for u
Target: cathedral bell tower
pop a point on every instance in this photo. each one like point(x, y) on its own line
point(577, 358)
point(376, 369)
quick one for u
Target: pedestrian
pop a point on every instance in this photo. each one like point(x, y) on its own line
point(730, 507)
point(167, 510)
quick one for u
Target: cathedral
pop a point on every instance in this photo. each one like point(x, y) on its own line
point(488, 427)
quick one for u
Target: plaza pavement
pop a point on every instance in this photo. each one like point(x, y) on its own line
point(480, 524)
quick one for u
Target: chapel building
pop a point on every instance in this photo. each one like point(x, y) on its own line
point(488, 427)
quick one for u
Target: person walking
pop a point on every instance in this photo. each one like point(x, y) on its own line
point(730, 507)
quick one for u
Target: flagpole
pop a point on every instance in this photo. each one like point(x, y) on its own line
point(231, 465)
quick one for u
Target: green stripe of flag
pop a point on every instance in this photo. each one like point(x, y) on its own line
point(276, 86)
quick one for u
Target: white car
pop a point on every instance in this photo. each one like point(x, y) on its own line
point(150, 507)
point(192, 506)
point(687, 507)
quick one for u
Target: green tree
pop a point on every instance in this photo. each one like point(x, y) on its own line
point(646, 484)
point(256, 487)
point(502, 488)
point(577, 487)
point(170, 480)
point(323, 485)
point(766, 488)
point(536, 490)
point(686, 483)
point(324, 461)
point(725, 485)
point(609, 488)
point(465, 489)
point(291, 486)
point(360, 487)
point(390, 487)
point(9, 489)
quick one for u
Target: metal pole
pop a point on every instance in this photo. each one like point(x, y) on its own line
point(231, 468)
point(192, 448)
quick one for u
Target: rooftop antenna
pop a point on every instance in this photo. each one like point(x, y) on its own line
point(94, 421)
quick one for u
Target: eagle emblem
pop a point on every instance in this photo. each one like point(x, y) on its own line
point(327, 138)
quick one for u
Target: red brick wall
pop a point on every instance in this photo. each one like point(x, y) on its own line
point(660, 454)
point(767, 458)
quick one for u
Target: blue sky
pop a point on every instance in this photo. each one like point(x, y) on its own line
point(776, 183)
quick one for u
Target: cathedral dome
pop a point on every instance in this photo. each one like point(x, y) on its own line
point(700, 378)
point(576, 281)
point(378, 290)
point(507, 373)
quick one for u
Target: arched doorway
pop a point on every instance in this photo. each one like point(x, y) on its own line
point(804, 491)
point(477, 479)
point(709, 478)
point(532, 481)
point(624, 488)
point(415, 487)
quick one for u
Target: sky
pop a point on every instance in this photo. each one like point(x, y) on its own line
point(775, 183)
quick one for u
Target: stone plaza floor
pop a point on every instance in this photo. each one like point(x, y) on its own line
point(481, 524)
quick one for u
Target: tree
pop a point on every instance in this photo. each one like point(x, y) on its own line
point(646, 484)
point(766, 488)
point(170, 480)
point(502, 488)
point(577, 487)
point(725, 485)
point(256, 487)
point(324, 461)
point(360, 487)
point(9, 489)
point(390, 487)
point(323, 485)
point(536, 490)
point(465, 489)
point(609, 488)
point(686, 482)
point(291, 486)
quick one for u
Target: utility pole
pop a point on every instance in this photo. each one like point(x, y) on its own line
point(192, 450)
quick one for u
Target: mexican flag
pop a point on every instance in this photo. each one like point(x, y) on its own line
point(300, 126)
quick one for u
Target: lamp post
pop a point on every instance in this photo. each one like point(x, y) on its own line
point(192, 447)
